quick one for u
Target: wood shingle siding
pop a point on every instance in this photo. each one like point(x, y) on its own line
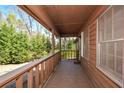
point(96, 76)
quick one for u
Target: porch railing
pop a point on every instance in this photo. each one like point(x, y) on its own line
point(68, 54)
point(34, 74)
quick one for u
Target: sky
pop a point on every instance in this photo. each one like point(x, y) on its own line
point(6, 9)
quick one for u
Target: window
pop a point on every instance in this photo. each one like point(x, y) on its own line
point(110, 42)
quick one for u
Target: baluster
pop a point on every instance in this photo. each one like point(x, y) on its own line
point(41, 74)
point(44, 71)
point(37, 76)
point(19, 82)
point(64, 55)
point(71, 54)
point(30, 78)
point(67, 53)
point(52, 63)
point(51, 67)
point(48, 68)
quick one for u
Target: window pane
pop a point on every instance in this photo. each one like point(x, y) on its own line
point(103, 55)
point(119, 48)
point(110, 48)
point(119, 53)
point(108, 25)
point(101, 29)
point(110, 56)
point(119, 65)
point(110, 63)
point(118, 21)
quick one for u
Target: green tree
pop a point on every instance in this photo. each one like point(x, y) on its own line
point(18, 46)
point(5, 44)
point(47, 45)
point(40, 45)
point(70, 44)
point(13, 46)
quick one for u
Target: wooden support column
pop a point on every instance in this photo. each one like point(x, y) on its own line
point(79, 43)
point(77, 50)
point(53, 42)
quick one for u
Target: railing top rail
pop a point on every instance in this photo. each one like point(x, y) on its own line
point(4, 79)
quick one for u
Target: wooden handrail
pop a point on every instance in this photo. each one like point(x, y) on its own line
point(15, 74)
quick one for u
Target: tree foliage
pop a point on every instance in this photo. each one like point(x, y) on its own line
point(40, 45)
point(68, 43)
point(18, 46)
point(14, 46)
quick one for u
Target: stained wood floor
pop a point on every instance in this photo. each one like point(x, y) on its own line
point(69, 75)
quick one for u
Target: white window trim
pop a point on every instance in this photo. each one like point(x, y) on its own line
point(82, 44)
point(109, 75)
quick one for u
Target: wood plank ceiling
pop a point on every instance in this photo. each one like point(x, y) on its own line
point(69, 19)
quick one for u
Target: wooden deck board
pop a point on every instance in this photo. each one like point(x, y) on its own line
point(69, 75)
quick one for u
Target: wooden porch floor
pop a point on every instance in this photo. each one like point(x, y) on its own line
point(68, 75)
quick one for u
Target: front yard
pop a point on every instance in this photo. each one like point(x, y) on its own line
point(7, 68)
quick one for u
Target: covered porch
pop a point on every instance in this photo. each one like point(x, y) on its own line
point(64, 68)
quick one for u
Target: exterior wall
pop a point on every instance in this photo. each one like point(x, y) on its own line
point(89, 65)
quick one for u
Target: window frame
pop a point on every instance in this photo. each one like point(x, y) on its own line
point(105, 72)
point(82, 44)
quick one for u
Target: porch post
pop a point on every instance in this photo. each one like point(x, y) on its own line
point(53, 42)
point(77, 49)
point(60, 46)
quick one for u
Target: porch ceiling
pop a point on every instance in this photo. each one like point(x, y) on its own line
point(65, 19)
point(69, 19)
